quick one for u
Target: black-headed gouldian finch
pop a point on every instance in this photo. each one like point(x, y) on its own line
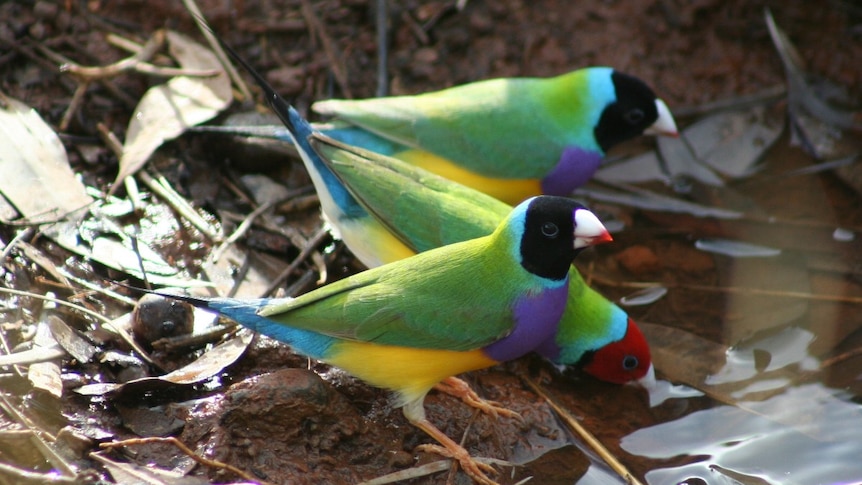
point(511, 138)
point(408, 325)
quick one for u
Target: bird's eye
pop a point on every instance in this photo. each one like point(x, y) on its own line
point(634, 116)
point(630, 362)
point(550, 230)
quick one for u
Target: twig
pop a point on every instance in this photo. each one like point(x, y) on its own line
point(414, 26)
point(429, 469)
point(37, 439)
point(205, 29)
point(92, 73)
point(74, 105)
point(163, 189)
point(185, 449)
point(246, 223)
point(335, 60)
point(837, 359)
point(38, 257)
point(131, 46)
point(116, 146)
point(585, 435)
point(14, 242)
point(94, 287)
point(213, 334)
point(137, 62)
point(244, 226)
point(310, 246)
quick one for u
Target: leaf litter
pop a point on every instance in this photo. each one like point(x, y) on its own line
point(774, 379)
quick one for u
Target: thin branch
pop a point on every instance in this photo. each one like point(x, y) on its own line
point(303, 255)
point(585, 435)
point(205, 29)
point(38, 438)
point(185, 449)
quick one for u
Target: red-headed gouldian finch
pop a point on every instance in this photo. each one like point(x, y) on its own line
point(511, 138)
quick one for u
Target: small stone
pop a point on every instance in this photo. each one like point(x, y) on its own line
point(156, 317)
point(289, 403)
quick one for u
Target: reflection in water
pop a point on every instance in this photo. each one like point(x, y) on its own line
point(807, 435)
point(790, 346)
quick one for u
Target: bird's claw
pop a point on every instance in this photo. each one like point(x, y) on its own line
point(460, 389)
point(474, 469)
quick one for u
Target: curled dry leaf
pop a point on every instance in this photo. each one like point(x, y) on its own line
point(76, 345)
point(166, 111)
point(206, 366)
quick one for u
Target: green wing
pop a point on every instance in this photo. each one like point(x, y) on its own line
point(458, 297)
point(507, 128)
point(413, 204)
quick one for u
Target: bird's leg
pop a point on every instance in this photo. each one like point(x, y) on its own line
point(414, 411)
point(460, 389)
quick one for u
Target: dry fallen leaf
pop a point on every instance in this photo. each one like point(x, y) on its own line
point(37, 178)
point(166, 111)
point(207, 365)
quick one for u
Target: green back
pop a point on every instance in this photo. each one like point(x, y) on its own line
point(413, 204)
point(505, 128)
point(456, 297)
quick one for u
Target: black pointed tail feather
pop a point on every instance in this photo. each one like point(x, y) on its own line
point(279, 105)
point(200, 302)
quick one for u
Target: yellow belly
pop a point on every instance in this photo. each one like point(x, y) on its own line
point(511, 191)
point(372, 243)
point(408, 371)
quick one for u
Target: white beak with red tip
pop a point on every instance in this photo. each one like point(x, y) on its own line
point(589, 231)
point(664, 125)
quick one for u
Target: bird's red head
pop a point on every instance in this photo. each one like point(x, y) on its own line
point(623, 361)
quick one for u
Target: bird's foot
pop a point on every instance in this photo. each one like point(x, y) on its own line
point(460, 389)
point(476, 470)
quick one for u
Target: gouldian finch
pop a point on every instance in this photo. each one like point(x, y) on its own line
point(385, 210)
point(408, 325)
point(511, 138)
